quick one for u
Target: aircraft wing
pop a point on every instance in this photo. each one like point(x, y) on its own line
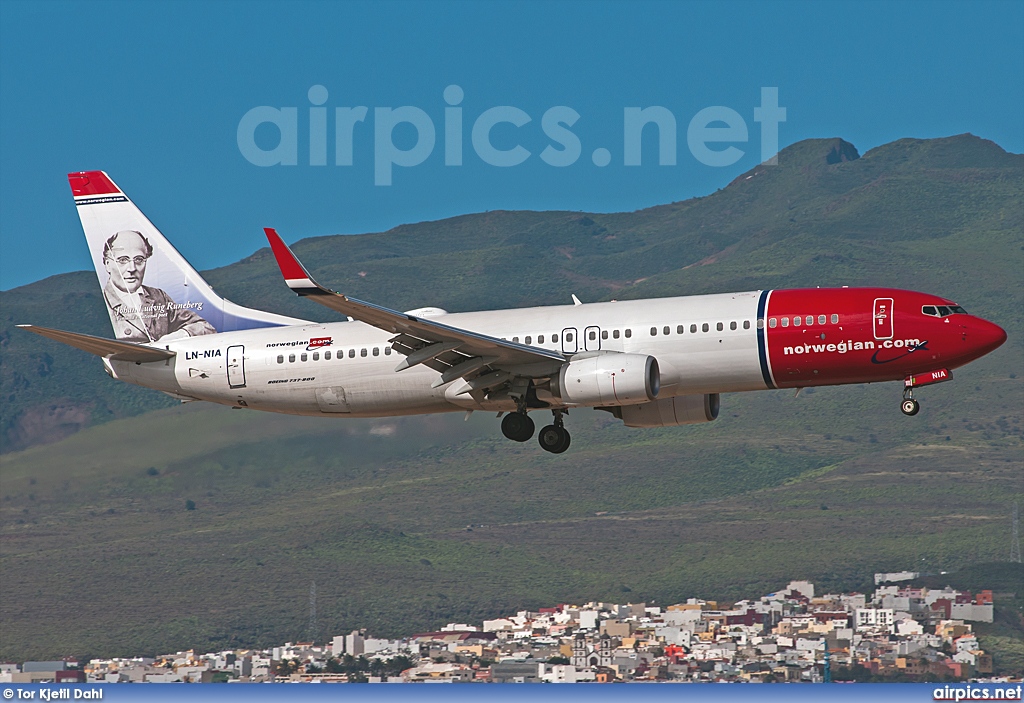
point(107, 348)
point(455, 352)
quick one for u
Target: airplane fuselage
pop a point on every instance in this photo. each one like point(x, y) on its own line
point(704, 344)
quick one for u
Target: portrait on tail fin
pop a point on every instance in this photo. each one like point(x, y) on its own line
point(152, 293)
point(141, 313)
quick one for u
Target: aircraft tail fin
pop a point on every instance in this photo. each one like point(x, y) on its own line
point(151, 291)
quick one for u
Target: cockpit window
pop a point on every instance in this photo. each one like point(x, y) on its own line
point(943, 310)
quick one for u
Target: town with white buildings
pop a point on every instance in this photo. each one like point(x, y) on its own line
point(897, 633)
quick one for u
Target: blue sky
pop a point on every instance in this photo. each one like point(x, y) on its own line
point(153, 93)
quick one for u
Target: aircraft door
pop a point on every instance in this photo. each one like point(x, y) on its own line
point(236, 367)
point(882, 318)
point(570, 345)
point(592, 339)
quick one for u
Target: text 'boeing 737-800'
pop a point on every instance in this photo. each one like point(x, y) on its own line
point(651, 363)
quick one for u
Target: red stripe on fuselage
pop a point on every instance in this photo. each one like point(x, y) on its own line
point(870, 339)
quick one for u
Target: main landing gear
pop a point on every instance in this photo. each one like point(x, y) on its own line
point(519, 427)
point(909, 406)
point(554, 438)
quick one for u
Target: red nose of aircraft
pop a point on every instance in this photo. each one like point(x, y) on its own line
point(984, 336)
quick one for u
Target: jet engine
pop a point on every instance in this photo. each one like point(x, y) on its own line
point(609, 379)
point(670, 412)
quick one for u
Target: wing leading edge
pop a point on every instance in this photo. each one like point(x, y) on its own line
point(483, 360)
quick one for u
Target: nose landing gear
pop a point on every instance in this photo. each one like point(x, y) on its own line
point(909, 406)
point(554, 438)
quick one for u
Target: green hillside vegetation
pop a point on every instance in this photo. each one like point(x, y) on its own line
point(407, 524)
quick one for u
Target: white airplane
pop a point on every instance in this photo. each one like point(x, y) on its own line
point(652, 363)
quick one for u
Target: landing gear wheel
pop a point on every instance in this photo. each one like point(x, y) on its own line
point(517, 426)
point(554, 439)
point(910, 407)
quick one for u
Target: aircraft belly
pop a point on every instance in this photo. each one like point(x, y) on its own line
point(351, 392)
point(393, 393)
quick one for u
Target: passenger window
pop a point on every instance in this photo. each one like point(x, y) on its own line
point(604, 334)
point(304, 357)
point(654, 331)
point(821, 319)
point(540, 339)
point(280, 358)
point(746, 324)
point(615, 334)
point(387, 351)
point(568, 337)
point(362, 352)
point(592, 335)
point(720, 327)
point(316, 356)
point(835, 319)
point(291, 358)
point(796, 321)
point(771, 322)
point(327, 356)
point(810, 319)
point(680, 329)
point(516, 340)
point(376, 351)
point(351, 353)
point(554, 339)
point(705, 327)
point(529, 339)
point(785, 322)
point(629, 333)
point(732, 325)
point(693, 329)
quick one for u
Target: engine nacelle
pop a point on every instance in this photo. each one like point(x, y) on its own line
point(670, 412)
point(609, 379)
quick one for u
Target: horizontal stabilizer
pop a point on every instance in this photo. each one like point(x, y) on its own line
point(107, 348)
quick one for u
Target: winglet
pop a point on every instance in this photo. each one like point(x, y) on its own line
point(295, 275)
